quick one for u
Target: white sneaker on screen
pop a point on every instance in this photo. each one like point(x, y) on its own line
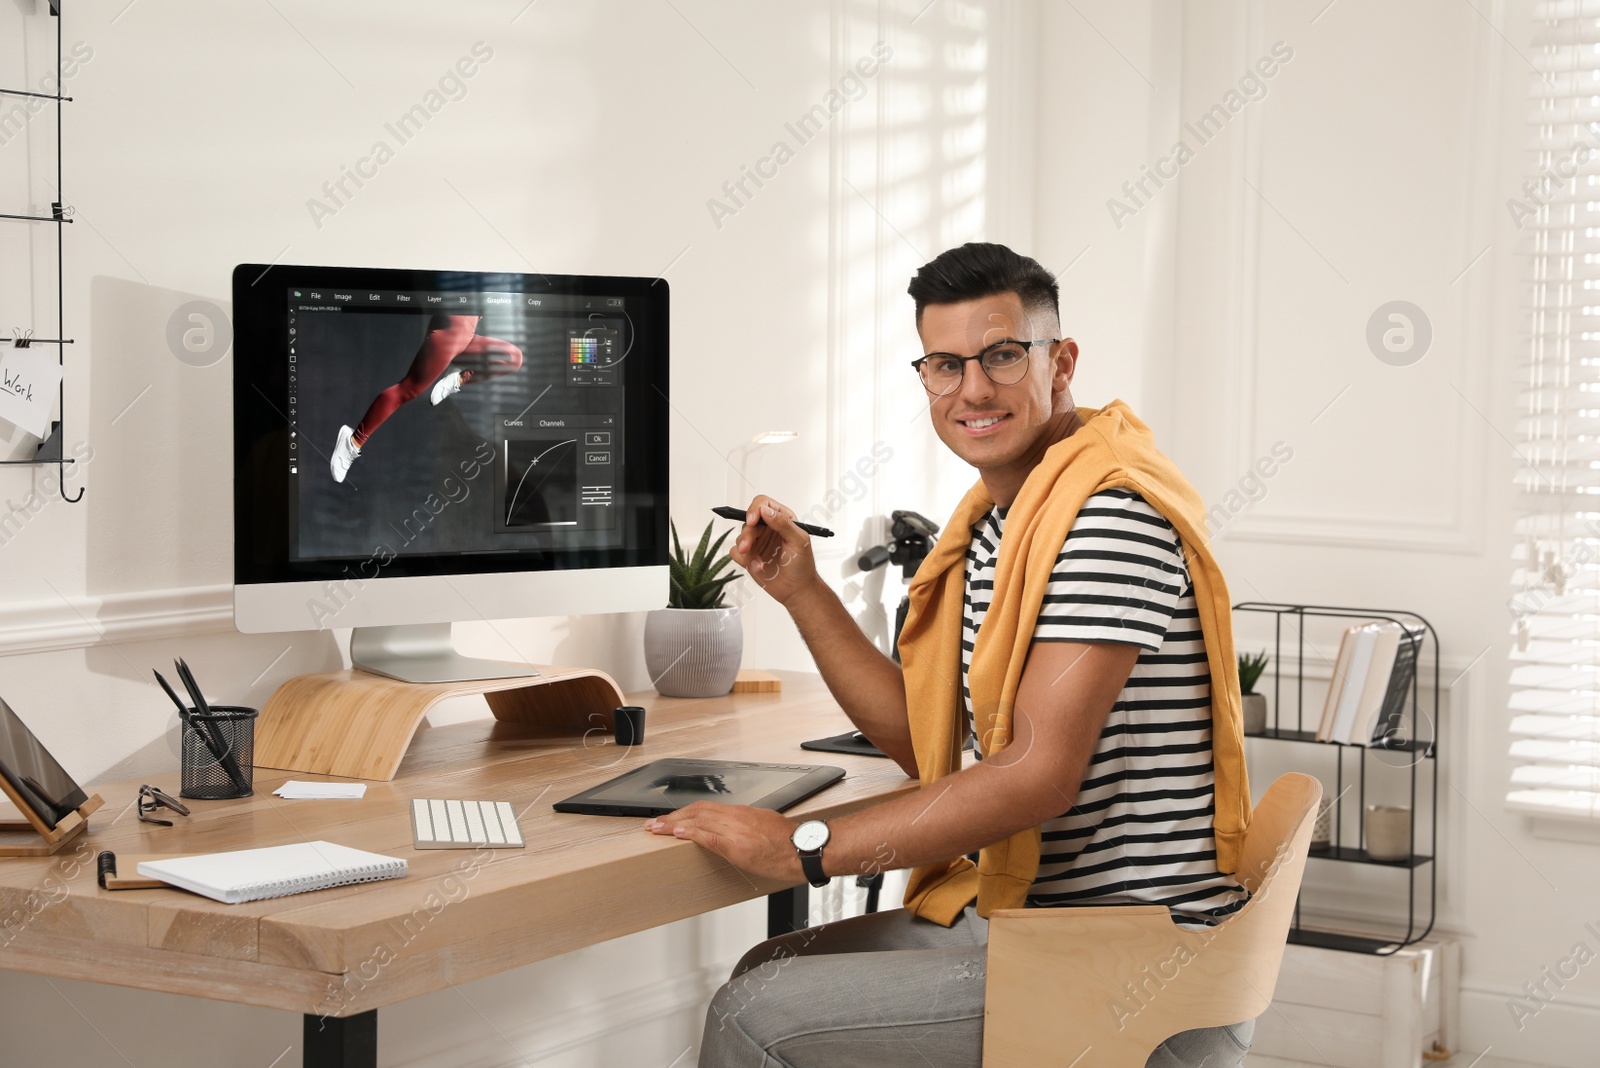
point(345, 453)
point(450, 383)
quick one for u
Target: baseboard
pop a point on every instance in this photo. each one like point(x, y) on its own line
point(535, 1039)
point(148, 615)
point(1561, 1035)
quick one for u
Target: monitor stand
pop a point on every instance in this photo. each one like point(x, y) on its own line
point(424, 652)
point(359, 725)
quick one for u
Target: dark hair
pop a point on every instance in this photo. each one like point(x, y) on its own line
point(981, 269)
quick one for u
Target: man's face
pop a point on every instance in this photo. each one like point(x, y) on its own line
point(996, 427)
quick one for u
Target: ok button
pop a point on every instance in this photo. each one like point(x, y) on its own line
point(597, 457)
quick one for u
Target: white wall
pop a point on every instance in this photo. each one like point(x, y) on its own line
point(590, 142)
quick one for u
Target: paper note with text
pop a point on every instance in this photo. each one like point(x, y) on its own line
point(28, 381)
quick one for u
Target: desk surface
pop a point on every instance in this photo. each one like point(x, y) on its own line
point(459, 914)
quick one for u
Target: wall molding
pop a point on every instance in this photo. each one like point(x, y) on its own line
point(1558, 1036)
point(115, 619)
point(1463, 532)
point(1376, 533)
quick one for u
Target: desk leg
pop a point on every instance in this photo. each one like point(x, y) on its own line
point(334, 1042)
point(788, 910)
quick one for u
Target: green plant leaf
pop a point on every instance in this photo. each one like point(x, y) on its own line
point(717, 545)
point(700, 556)
point(714, 589)
point(1251, 665)
point(696, 580)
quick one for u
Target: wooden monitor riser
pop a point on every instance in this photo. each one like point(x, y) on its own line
point(359, 725)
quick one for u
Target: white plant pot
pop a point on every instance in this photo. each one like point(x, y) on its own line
point(693, 652)
point(1255, 713)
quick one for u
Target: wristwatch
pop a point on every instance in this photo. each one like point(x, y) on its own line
point(808, 839)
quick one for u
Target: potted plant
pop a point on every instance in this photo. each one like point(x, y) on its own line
point(1251, 665)
point(692, 647)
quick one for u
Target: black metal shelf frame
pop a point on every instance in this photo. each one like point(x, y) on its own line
point(1423, 743)
point(50, 450)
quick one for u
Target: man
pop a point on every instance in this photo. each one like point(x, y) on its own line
point(1081, 657)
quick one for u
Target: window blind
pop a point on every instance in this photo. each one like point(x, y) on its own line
point(1555, 602)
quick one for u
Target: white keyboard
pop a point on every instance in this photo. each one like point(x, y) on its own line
point(464, 824)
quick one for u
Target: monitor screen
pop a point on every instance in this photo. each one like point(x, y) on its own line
point(33, 773)
point(400, 424)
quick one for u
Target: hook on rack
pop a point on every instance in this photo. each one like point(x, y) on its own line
point(50, 451)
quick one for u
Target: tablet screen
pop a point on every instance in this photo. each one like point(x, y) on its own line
point(679, 784)
point(33, 773)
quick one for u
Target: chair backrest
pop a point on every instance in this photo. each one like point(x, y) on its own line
point(1102, 987)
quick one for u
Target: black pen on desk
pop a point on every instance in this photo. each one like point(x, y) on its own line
point(202, 722)
point(184, 714)
point(183, 709)
point(188, 719)
point(205, 723)
point(727, 511)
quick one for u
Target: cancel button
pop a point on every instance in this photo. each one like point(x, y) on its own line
point(597, 457)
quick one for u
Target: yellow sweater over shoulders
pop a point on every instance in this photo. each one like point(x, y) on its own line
point(1112, 449)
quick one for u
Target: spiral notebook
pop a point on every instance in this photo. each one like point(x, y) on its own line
point(275, 871)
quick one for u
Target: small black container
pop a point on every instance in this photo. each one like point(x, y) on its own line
point(232, 729)
point(627, 726)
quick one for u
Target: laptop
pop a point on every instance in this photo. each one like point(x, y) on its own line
point(664, 786)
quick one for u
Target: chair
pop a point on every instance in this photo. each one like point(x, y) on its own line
point(1120, 980)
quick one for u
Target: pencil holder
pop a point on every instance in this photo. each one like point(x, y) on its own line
point(219, 752)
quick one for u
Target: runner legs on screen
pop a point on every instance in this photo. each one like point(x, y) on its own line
point(451, 339)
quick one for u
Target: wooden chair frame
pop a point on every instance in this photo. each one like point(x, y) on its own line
point(1102, 987)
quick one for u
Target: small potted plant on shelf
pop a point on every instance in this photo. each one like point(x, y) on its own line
point(693, 646)
point(1251, 665)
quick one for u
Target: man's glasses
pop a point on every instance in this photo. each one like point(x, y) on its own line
point(152, 800)
point(1005, 362)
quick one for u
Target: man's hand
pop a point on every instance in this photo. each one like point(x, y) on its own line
point(775, 552)
point(755, 840)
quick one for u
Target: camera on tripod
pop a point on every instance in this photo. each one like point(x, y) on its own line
point(911, 540)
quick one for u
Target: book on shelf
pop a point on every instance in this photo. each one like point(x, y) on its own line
point(1389, 722)
point(1365, 638)
point(1341, 669)
point(1366, 696)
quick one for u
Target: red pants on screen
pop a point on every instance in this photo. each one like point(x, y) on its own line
point(450, 338)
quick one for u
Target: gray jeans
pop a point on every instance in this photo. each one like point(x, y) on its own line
point(883, 990)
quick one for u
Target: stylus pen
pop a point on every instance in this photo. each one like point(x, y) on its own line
point(207, 733)
point(183, 709)
point(727, 511)
point(188, 718)
point(183, 714)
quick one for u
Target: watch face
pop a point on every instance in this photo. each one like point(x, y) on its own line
point(810, 836)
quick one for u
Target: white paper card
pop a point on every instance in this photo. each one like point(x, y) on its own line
point(295, 790)
point(28, 381)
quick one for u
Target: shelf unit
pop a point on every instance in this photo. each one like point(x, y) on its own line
point(1419, 738)
point(50, 450)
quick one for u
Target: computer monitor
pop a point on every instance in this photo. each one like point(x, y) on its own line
point(415, 448)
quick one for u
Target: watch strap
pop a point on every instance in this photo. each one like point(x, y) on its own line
point(811, 864)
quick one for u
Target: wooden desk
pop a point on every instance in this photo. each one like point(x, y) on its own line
point(336, 956)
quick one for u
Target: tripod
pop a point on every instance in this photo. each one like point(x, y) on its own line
point(911, 539)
